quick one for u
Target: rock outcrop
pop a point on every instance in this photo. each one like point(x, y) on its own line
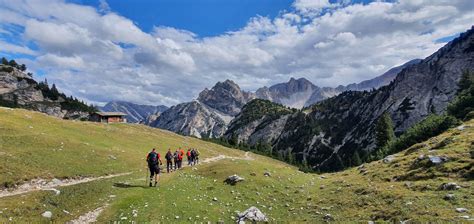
point(18, 89)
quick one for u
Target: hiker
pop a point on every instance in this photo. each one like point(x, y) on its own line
point(169, 161)
point(190, 159)
point(193, 157)
point(196, 156)
point(176, 159)
point(180, 158)
point(154, 161)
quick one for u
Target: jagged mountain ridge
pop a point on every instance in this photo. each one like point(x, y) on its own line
point(225, 100)
point(299, 93)
point(334, 129)
point(135, 113)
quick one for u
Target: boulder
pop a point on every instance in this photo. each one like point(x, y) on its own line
point(436, 160)
point(328, 217)
point(252, 214)
point(449, 197)
point(388, 159)
point(47, 214)
point(234, 179)
point(449, 186)
point(461, 210)
point(267, 174)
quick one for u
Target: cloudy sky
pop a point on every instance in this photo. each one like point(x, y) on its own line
point(167, 51)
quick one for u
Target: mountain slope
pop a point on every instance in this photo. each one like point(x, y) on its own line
point(135, 113)
point(328, 135)
point(408, 187)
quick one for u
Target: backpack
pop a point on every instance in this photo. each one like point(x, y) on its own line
point(169, 156)
point(153, 158)
point(196, 152)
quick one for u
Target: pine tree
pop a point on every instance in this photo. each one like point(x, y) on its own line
point(4, 61)
point(384, 131)
point(356, 159)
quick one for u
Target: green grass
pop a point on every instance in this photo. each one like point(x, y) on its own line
point(288, 195)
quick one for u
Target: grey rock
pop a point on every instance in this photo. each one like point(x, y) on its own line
point(328, 217)
point(388, 159)
point(436, 160)
point(47, 214)
point(461, 210)
point(267, 174)
point(449, 197)
point(234, 179)
point(253, 214)
point(449, 186)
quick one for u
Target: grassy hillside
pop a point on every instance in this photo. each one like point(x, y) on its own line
point(33, 145)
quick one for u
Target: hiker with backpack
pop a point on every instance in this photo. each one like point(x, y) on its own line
point(190, 159)
point(196, 156)
point(169, 161)
point(176, 159)
point(181, 156)
point(193, 157)
point(154, 161)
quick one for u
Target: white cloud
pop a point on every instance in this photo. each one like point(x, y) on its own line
point(99, 55)
point(12, 48)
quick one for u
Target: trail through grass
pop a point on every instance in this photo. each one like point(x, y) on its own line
point(35, 146)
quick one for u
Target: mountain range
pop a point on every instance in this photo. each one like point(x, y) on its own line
point(328, 134)
point(135, 113)
point(210, 114)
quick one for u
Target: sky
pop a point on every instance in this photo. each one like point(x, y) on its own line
point(164, 52)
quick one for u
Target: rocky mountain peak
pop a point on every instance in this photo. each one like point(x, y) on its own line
point(226, 97)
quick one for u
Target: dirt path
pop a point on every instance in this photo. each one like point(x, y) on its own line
point(43, 185)
point(92, 216)
point(89, 217)
point(221, 157)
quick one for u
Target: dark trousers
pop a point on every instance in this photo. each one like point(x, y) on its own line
point(176, 164)
point(169, 165)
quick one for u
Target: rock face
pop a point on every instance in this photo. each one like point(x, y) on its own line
point(330, 132)
point(135, 113)
point(294, 93)
point(225, 97)
point(18, 89)
point(209, 115)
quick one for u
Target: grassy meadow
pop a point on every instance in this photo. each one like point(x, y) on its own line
point(34, 145)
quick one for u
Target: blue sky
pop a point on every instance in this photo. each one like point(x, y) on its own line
point(167, 51)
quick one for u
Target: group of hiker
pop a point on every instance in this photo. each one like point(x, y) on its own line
point(174, 161)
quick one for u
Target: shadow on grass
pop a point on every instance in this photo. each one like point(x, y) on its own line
point(126, 185)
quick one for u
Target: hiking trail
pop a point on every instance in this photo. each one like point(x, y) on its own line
point(43, 185)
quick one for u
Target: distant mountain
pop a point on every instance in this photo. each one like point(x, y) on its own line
point(213, 110)
point(295, 93)
point(329, 134)
point(19, 90)
point(207, 116)
point(135, 113)
point(378, 81)
point(299, 93)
